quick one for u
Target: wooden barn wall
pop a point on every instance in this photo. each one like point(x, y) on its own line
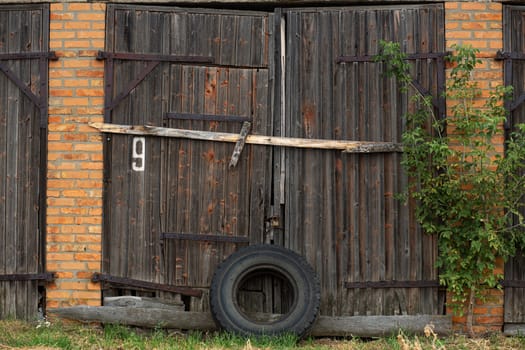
point(23, 29)
point(514, 43)
point(336, 209)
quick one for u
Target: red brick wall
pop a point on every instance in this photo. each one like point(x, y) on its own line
point(74, 193)
point(480, 24)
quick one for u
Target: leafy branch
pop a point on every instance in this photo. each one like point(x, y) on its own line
point(468, 195)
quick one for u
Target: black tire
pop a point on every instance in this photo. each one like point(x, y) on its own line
point(258, 260)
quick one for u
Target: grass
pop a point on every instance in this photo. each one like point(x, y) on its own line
point(40, 336)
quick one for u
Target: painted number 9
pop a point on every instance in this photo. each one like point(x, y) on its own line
point(138, 156)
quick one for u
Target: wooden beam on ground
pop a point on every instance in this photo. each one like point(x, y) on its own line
point(357, 326)
point(379, 326)
point(345, 146)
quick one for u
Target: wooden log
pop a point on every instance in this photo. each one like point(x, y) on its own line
point(379, 326)
point(343, 145)
point(357, 326)
point(138, 316)
point(514, 329)
point(144, 302)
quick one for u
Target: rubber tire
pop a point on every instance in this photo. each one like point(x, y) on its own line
point(257, 259)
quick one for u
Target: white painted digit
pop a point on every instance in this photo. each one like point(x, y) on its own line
point(138, 156)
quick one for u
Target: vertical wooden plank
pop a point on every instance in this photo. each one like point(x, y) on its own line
point(14, 229)
point(3, 170)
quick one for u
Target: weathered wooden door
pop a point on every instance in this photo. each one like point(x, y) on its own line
point(176, 207)
point(339, 209)
point(514, 55)
point(23, 122)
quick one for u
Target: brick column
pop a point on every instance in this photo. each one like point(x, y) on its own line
point(74, 193)
point(480, 24)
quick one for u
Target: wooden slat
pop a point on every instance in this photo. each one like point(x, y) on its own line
point(295, 142)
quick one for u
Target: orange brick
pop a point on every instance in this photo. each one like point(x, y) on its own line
point(88, 147)
point(62, 34)
point(73, 229)
point(87, 294)
point(89, 220)
point(496, 311)
point(75, 82)
point(60, 256)
point(73, 247)
point(100, 44)
point(72, 265)
point(72, 285)
point(76, 63)
point(61, 127)
point(74, 174)
point(78, 7)
point(457, 16)
point(59, 146)
point(93, 265)
point(80, 26)
point(75, 137)
point(57, 7)
point(89, 184)
point(87, 256)
point(60, 238)
point(98, 25)
point(475, 26)
point(477, 44)
point(488, 319)
point(60, 202)
point(92, 34)
point(92, 238)
point(73, 211)
point(57, 16)
point(84, 275)
point(90, 92)
point(60, 220)
point(76, 101)
point(74, 44)
point(61, 73)
point(488, 35)
point(95, 229)
point(93, 302)
point(57, 294)
point(75, 156)
point(62, 274)
point(481, 311)
point(92, 16)
point(459, 35)
point(90, 73)
point(490, 16)
point(473, 6)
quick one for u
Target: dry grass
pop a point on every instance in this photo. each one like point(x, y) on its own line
point(22, 335)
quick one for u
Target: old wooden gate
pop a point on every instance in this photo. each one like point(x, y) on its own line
point(175, 208)
point(23, 129)
point(514, 56)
